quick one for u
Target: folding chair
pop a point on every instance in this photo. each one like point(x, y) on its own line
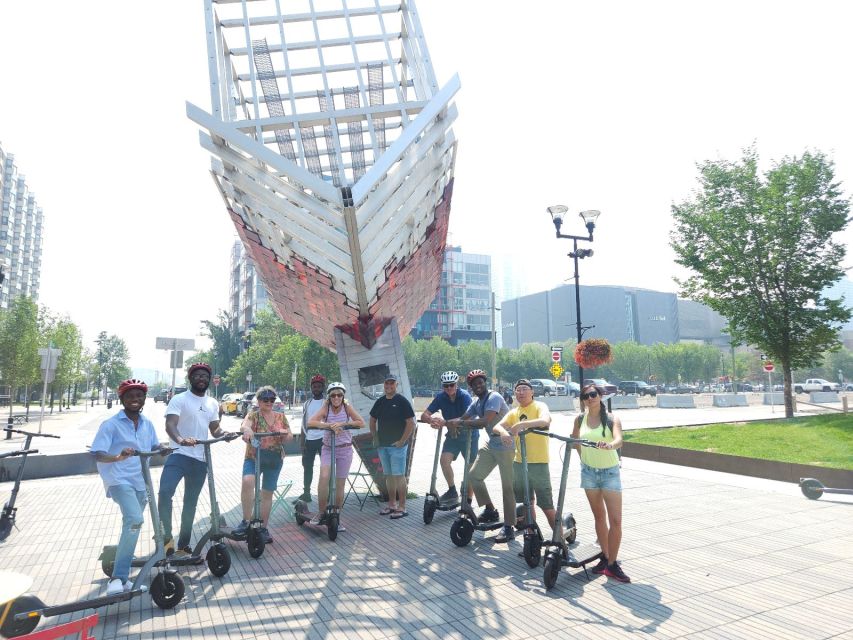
point(279, 496)
point(363, 478)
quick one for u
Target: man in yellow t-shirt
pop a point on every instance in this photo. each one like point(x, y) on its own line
point(530, 414)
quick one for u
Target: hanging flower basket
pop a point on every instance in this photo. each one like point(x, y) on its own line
point(593, 353)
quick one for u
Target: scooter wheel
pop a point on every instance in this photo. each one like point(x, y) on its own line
point(429, 511)
point(552, 570)
point(5, 526)
point(461, 532)
point(811, 488)
point(12, 628)
point(218, 560)
point(167, 590)
point(532, 550)
point(256, 543)
point(332, 526)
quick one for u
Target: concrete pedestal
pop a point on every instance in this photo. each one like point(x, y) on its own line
point(730, 400)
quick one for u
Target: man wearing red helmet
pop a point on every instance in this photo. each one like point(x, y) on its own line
point(190, 416)
point(118, 438)
point(311, 440)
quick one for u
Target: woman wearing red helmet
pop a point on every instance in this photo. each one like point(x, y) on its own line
point(113, 447)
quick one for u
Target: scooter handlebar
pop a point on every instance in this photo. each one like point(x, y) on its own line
point(19, 452)
point(566, 439)
point(226, 437)
point(162, 451)
point(30, 433)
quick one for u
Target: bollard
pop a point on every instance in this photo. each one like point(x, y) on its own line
point(10, 423)
point(844, 404)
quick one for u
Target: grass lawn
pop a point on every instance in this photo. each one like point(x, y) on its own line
point(825, 441)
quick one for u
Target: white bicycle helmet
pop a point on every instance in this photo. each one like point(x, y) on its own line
point(336, 385)
point(449, 377)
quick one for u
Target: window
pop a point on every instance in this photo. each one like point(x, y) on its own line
point(477, 279)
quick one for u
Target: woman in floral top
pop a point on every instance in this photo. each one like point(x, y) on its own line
point(262, 420)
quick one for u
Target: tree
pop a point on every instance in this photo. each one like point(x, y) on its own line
point(19, 343)
point(761, 252)
point(65, 336)
point(112, 358)
point(226, 342)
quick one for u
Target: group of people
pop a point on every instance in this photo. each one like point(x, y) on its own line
point(193, 416)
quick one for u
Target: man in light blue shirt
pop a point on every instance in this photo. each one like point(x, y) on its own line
point(118, 438)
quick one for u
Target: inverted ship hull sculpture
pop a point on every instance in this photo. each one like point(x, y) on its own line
point(339, 186)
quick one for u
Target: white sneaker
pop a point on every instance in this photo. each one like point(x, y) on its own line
point(341, 528)
point(115, 587)
point(315, 520)
point(128, 586)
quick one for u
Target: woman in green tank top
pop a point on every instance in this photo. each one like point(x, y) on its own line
point(600, 477)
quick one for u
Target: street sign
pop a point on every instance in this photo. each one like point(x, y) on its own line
point(556, 370)
point(769, 366)
point(177, 359)
point(556, 354)
point(178, 344)
point(54, 357)
point(764, 356)
point(216, 381)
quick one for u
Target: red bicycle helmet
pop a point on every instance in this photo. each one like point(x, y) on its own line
point(200, 365)
point(476, 373)
point(319, 378)
point(131, 383)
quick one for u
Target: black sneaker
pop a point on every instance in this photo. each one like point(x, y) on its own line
point(489, 515)
point(265, 533)
point(600, 567)
point(451, 495)
point(506, 534)
point(615, 571)
point(305, 497)
point(241, 529)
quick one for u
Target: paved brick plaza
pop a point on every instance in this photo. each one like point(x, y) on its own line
point(711, 556)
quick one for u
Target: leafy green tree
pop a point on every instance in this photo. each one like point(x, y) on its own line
point(668, 362)
point(19, 343)
point(226, 343)
point(65, 336)
point(631, 361)
point(112, 358)
point(761, 252)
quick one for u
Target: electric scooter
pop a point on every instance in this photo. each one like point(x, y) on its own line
point(166, 587)
point(557, 552)
point(466, 522)
point(7, 518)
point(532, 550)
point(431, 501)
point(332, 516)
point(814, 489)
point(217, 558)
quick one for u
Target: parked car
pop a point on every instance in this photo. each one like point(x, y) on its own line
point(162, 396)
point(816, 384)
point(244, 404)
point(174, 391)
point(739, 386)
point(636, 387)
point(686, 388)
point(543, 387)
point(609, 389)
point(228, 403)
point(848, 386)
point(568, 389)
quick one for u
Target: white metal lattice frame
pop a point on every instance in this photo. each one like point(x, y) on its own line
point(299, 118)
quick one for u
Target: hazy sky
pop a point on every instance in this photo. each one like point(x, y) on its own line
point(605, 105)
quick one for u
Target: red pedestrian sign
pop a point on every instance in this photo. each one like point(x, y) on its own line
point(556, 354)
point(768, 366)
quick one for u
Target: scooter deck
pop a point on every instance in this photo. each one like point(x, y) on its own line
point(582, 555)
point(80, 605)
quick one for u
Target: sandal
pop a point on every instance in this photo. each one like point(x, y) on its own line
point(387, 511)
point(399, 514)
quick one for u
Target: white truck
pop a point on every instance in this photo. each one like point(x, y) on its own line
point(816, 384)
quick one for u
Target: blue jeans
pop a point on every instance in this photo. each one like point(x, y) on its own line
point(179, 467)
point(393, 459)
point(131, 502)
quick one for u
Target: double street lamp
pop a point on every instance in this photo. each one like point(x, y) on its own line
point(589, 217)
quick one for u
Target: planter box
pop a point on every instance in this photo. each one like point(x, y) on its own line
point(754, 467)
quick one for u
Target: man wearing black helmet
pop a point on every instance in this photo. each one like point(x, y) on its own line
point(190, 416)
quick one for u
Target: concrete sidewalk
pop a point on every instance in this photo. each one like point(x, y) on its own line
point(711, 556)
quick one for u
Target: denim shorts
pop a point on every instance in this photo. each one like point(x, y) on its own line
point(607, 479)
point(393, 459)
point(270, 469)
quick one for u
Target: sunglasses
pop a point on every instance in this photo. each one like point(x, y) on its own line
point(336, 395)
point(266, 398)
point(591, 394)
point(448, 385)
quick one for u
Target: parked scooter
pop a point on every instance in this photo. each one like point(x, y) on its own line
point(532, 550)
point(557, 552)
point(218, 559)
point(23, 613)
point(814, 489)
point(431, 501)
point(7, 518)
point(331, 518)
point(462, 529)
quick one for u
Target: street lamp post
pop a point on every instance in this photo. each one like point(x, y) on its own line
point(589, 217)
point(249, 381)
